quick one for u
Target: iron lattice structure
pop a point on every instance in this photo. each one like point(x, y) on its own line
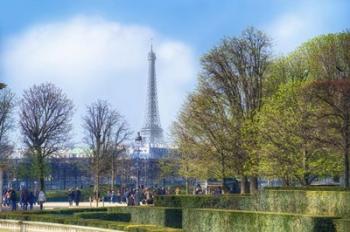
point(152, 132)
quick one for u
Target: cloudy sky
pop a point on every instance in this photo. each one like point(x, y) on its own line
point(97, 49)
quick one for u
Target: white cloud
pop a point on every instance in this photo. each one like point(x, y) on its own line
point(93, 58)
point(301, 23)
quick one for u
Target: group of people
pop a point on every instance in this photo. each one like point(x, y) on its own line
point(139, 196)
point(25, 198)
point(216, 191)
point(74, 196)
point(131, 196)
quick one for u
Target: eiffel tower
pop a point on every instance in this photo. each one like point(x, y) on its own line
point(152, 132)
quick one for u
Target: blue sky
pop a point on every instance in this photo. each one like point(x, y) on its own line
point(98, 48)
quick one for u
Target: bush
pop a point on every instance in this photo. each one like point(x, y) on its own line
point(342, 225)
point(123, 217)
point(312, 202)
point(331, 203)
point(214, 220)
point(56, 217)
point(67, 211)
point(235, 201)
point(167, 217)
point(310, 188)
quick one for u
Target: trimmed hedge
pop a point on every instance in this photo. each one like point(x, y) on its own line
point(120, 217)
point(235, 201)
point(330, 203)
point(214, 220)
point(74, 220)
point(67, 211)
point(311, 188)
point(342, 225)
point(168, 217)
point(327, 203)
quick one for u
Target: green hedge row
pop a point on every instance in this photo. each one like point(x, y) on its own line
point(76, 220)
point(330, 203)
point(235, 201)
point(120, 217)
point(327, 203)
point(67, 211)
point(168, 217)
point(214, 220)
point(311, 188)
point(342, 225)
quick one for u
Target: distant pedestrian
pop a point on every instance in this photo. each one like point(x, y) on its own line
point(41, 199)
point(13, 199)
point(77, 196)
point(198, 189)
point(31, 200)
point(24, 198)
point(70, 196)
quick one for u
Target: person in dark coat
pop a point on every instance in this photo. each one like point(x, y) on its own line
point(77, 196)
point(13, 199)
point(24, 198)
point(70, 197)
point(31, 200)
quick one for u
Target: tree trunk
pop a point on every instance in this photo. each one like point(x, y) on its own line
point(244, 186)
point(97, 189)
point(187, 186)
point(346, 165)
point(253, 184)
point(1, 184)
point(112, 174)
point(41, 174)
point(346, 138)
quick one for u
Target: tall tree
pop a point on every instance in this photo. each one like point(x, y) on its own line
point(121, 135)
point(6, 124)
point(332, 117)
point(285, 124)
point(45, 121)
point(100, 125)
point(235, 69)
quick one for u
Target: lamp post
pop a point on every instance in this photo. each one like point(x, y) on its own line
point(138, 142)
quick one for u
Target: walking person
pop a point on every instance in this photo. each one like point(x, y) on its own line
point(31, 200)
point(70, 197)
point(13, 199)
point(77, 196)
point(24, 198)
point(41, 199)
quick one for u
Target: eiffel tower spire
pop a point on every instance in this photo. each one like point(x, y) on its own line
point(152, 131)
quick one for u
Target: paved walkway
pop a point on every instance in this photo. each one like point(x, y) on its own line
point(65, 205)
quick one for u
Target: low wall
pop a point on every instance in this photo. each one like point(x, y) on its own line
point(29, 226)
point(214, 220)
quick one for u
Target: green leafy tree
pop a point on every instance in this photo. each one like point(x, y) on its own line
point(286, 124)
point(332, 117)
point(235, 70)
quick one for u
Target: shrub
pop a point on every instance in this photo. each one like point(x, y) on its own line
point(214, 220)
point(69, 211)
point(310, 188)
point(342, 225)
point(75, 220)
point(168, 217)
point(123, 217)
point(235, 201)
point(332, 203)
